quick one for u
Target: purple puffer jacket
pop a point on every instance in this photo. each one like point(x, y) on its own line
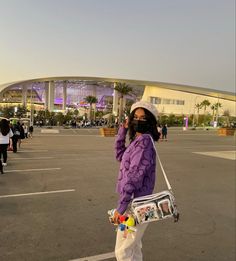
point(137, 168)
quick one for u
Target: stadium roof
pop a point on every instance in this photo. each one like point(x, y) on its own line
point(171, 86)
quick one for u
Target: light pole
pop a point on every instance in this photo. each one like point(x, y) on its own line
point(31, 108)
point(217, 112)
point(195, 100)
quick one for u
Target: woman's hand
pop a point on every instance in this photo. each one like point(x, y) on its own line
point(126, 123)
point(116, 218)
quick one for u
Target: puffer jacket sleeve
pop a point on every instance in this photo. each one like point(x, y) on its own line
point(139, 167)
point(120, 143)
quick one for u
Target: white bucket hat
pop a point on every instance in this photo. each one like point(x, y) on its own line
point(146, 105)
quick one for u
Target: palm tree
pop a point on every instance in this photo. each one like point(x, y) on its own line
point(205, 104)
point(123, 89)
point(91, 100)
point(198, 106)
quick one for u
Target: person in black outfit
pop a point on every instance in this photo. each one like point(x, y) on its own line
point(164, 132)
point(31, 129)
point(16, 135)
point(22, 133)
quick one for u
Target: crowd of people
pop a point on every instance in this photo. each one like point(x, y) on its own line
point(88, 123)
point(73, 123)
point(11, 134)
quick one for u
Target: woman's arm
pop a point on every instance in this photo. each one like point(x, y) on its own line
point(120, 143)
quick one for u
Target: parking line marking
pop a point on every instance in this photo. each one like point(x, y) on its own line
point(37, 193)
point(96, 258)
point(53, 131)
point(27, 170)
point(24, 143)
point(36, 158)
point(72, 135)
point(31, 151)
point(231, 155)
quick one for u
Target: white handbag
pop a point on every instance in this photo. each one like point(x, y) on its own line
point(157, 206)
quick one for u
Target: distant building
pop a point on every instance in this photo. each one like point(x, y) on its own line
point(182, 100)
point(59, 93)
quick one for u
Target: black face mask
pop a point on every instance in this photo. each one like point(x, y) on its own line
point(141, 126)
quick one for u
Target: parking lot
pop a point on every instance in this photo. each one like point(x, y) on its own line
point(57, 189)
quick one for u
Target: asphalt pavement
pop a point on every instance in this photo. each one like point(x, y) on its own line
point(57, 189)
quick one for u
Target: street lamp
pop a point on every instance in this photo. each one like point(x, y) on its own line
point(31, 108)
point(195, 100)
point(217, 113)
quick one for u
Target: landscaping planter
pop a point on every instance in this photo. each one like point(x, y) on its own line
point(108, 132)
point(226, 132)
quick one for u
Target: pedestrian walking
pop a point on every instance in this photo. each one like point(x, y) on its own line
point(137, 173)
point(5, 135)
point(22, 133)
point(26, 129)
point(164, 132)
point(16, 135)
point(31, 130)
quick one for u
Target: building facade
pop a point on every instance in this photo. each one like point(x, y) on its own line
point(177, 102)
point(61, 93)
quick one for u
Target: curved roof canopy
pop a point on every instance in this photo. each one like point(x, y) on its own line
point(102, 81)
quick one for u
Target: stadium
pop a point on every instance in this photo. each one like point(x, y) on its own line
point(62, 93)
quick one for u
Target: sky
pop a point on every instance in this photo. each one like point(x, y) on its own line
point(190, 42)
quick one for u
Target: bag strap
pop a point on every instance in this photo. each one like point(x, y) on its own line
point(176, 213)
point(164, 174)
point(162, 169)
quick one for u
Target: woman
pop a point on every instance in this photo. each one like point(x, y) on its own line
point(5, 135)
point(137, 172)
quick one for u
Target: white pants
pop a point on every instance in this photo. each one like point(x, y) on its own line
point(130, 248)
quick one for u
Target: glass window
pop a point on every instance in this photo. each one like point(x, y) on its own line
point(158, 100)
point(155, 100)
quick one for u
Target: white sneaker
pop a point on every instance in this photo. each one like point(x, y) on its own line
point(4, 164)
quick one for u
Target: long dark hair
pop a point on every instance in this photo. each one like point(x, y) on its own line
point(150, 120)
point(4, 127)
